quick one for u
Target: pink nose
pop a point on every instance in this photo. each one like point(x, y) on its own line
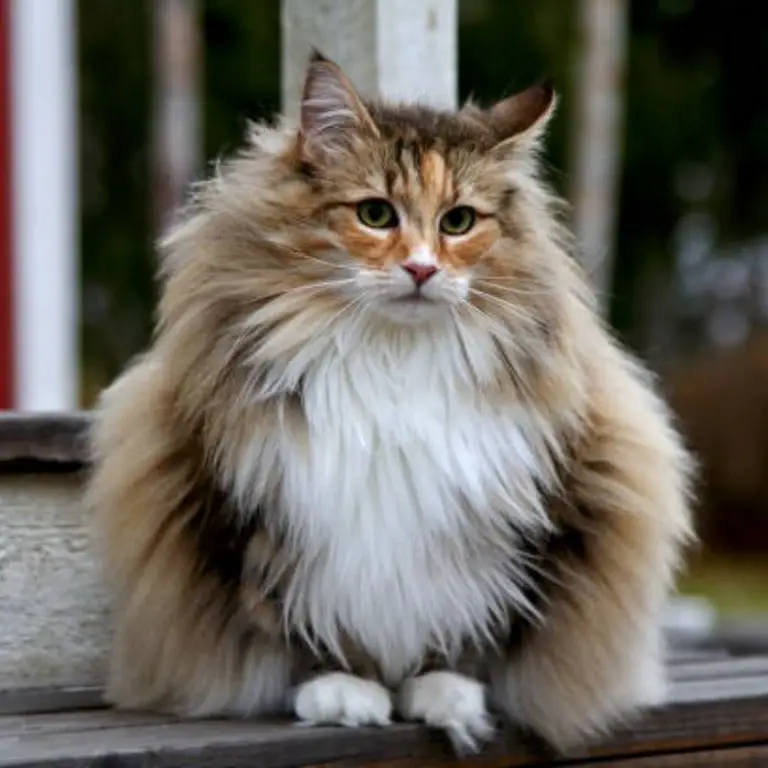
point(420, 272)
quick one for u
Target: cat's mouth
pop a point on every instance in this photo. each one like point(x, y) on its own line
point(413, 306)
point(416, 297)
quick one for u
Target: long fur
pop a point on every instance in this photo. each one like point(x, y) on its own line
point(303, 475)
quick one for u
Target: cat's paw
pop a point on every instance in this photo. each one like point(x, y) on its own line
point(451, 702)
point(341, 699)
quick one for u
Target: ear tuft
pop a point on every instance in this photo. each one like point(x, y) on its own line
point(315, 55)
point(331, 111)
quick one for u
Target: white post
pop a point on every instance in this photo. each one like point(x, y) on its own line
point(599, 113)
point(400, 49)
point(45, 206)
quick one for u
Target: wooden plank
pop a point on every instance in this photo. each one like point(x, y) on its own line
point(726, 718)
point(78, 722)
point(727, 669)
point(709, 674)
point(739, 757)
point(737, 637)
point(210, 744)
point(505, 761)
point(23, 701)
point(691, 691)
point(40, 442)
point(681, 655)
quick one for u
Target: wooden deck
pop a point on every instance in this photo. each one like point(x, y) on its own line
point(53, 640)
point(718, 716)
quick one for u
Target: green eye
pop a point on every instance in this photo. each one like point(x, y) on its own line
point(458, 220)
point(377, 214)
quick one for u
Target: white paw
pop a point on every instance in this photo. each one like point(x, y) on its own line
point(449, 701)
point(341, 699)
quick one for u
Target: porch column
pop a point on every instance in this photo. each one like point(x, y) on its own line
point(402, 49)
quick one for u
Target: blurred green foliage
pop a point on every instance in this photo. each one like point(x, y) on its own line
point(693, 101)
point(117, 267)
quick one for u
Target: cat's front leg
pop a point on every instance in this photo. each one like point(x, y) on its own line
point(329, 693)
point(451, 702)
point(596, 655)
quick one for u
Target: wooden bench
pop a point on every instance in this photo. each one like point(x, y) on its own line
point(53, 640)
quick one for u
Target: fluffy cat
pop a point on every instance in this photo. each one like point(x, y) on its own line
point(382, 458)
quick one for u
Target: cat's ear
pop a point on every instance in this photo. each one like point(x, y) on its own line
point(331, 111)
point(522, 119)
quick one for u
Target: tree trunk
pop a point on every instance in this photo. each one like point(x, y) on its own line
point(597, 149)
point(176, 115)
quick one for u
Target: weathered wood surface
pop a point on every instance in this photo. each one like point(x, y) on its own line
point(52, 698)
point(717, 715)
point(44, 441)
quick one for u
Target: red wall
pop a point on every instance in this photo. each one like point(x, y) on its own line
point(6, 305)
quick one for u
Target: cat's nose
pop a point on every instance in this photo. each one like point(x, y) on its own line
point(420, 272)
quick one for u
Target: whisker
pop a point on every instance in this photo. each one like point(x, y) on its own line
point(357, 316)
point(510, 289)
point(311, 289)
point(304, 255)
point(456, 320)
point(355, 301)
point(504, 278)
point(514, 311)
point(501, 333)
point(320, 286)
point(325, 263)
point(498, 329)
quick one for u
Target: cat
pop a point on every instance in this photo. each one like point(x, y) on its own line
point(382, 458)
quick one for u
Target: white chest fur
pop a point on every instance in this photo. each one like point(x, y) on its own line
point(406, 503)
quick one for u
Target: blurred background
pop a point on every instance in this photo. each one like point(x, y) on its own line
point(660, 143)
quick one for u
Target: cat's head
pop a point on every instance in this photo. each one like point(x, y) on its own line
point(363, 210)
point(418, 203)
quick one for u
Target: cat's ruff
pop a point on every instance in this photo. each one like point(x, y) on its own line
point(404, 457)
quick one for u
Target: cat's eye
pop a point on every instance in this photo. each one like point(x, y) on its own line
point(377, 213)
point(458, 220)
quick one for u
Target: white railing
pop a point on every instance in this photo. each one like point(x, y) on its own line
point(44, 203)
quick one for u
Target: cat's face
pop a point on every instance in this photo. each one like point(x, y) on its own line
point(415, 230)
point(417, 201)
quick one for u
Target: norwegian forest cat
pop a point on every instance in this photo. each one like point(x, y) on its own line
point(382, 458)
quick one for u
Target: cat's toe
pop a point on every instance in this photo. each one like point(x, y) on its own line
point(451, 702)
point(341, 699)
